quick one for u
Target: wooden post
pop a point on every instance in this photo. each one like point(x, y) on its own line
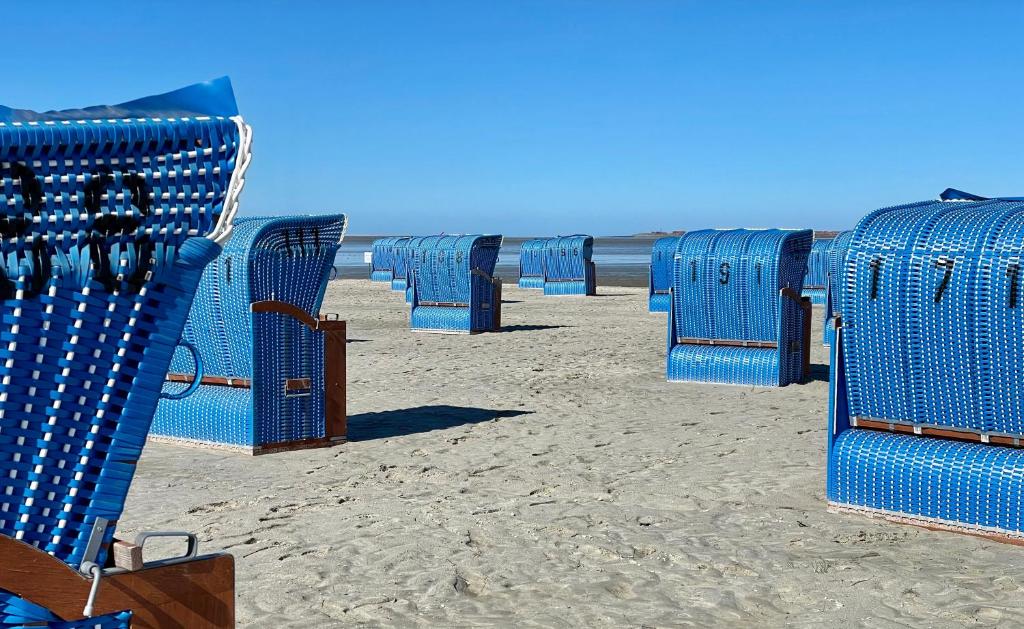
point(336, 413)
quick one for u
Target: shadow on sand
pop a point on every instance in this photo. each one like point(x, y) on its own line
point(818, 373)
point(407, 421)
point(529, 328)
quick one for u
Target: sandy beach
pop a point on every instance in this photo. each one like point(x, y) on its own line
point(549, 476)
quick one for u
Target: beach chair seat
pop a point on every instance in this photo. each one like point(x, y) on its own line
point(816, 280)
point(270, 367)
point(531, 263)
point(927, 388)
point(737, 316)
point(111, 215)
point(659, 278)
point(568, 268)
point(836, 259)
point(454, 288)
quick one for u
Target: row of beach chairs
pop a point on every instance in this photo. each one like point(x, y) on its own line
point(559, 266)
point(448, 280)
point(134, 302)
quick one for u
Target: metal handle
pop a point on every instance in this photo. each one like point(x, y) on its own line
point(190, 553)
point(194, 385)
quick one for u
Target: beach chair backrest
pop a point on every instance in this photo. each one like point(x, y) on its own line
point(445, 268)
point(726, 283)
point(662, 263)
point(566, 257)
point(108, 225)
point(933, 322)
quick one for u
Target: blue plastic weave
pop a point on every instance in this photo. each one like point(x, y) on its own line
point(836, 259)
point(531, 263)
point(103, 242)
point(382, 266)
point(726, 287)
point(400, 263)
point(816, 280)
point(568, 268)
point(454, 289)
point(932, 337)
point(286, 259)
point(659, 281)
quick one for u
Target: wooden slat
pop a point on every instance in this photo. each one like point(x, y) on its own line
point(683, 340)
point(198, 593)
point(336, 412)
point(241, 383)
point(933, 431)
point(445, 304)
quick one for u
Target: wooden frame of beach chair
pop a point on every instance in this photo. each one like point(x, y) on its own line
point(196, 592)
point(925, 416)
point(270, 367)
point(132, 202)
point(736, 315)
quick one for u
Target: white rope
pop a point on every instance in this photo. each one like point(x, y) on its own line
point(222, 231)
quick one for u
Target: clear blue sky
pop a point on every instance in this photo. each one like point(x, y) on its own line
point(541, 117)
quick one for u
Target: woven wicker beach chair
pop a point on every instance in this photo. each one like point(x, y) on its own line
point(816, 280)
point(402, 255)
point(659, 281)
point(454, 288)
point(414, 252)
point(531, 263)
point(382, 264)
point(926, 411)
point(836, 260)
point(271, 367)
point(737, 315)
point(568, 269)
point(111, 214)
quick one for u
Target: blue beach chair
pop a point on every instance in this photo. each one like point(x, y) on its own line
point(454, 288)
point(816, 280)
point(659, 281)
point(111, 214)
point(382, 264)
point(402, 255)
point(926, 412)
point(270, 367)
point(737, 316)
point(414, 252)
point(568, 268)
point(836, 260)
point(531, 263)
